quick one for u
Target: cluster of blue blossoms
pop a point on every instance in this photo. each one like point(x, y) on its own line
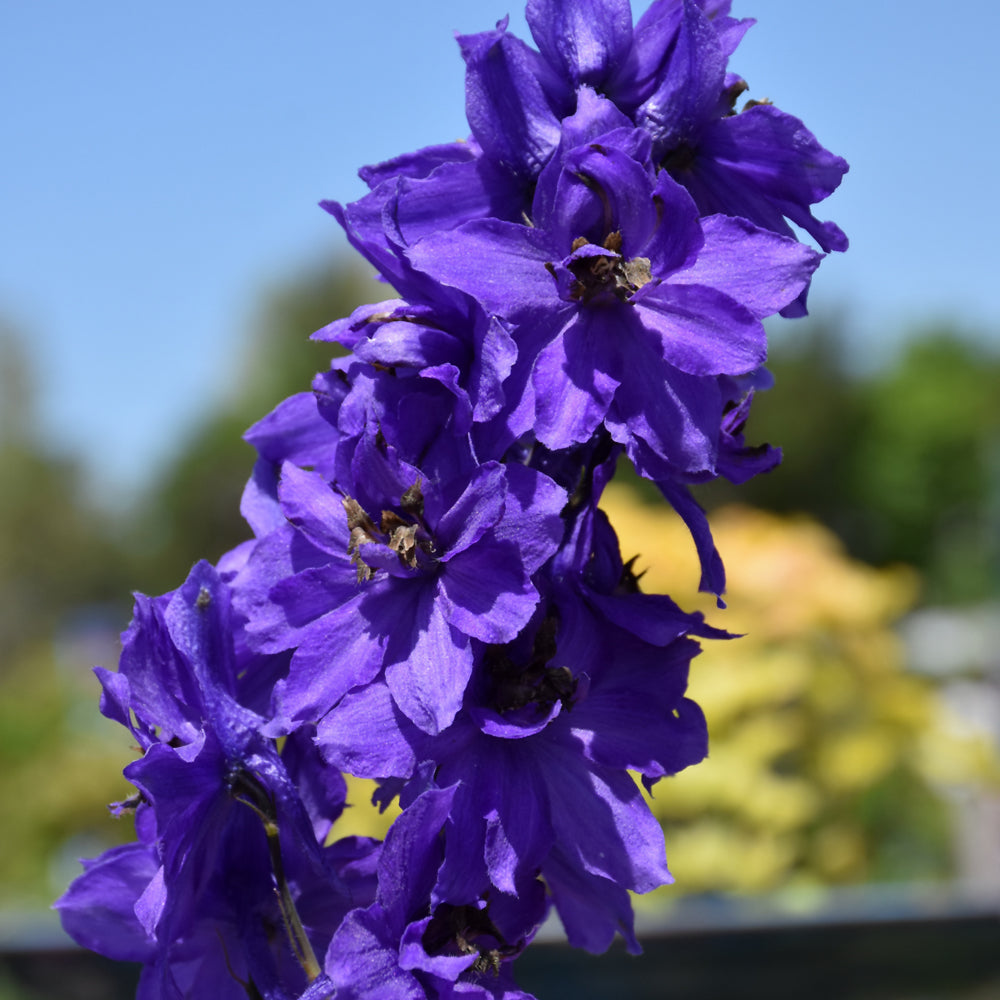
point(432, 597)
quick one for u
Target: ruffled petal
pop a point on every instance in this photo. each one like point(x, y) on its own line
point(583, 39)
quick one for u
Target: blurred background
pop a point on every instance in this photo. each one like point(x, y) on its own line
point(163, 261)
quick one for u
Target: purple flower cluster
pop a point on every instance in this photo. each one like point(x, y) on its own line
point(432, 597)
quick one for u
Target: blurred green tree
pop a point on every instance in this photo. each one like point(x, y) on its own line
point(926, 468)
point(63, 576)
point(902, 463)
point(57, 549)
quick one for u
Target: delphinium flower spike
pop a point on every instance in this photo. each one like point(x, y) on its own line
point(432, 597)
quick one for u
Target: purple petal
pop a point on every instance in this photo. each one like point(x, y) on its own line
point(453, 194)
point(665, 416)
point(518, 828)
point(494, 358)
point(322, 789)
point(713, 573)
point(583, 39)
point(635, 716)
point(271, 563)
point(595, 116)
point(653, 618)
point(591, 909)
point(603, 824)
point(304, 597)
point(653, 40)
point(417, 164)
point(98, 909)
point(160, 691)
point(573, 387)
point(410, 858)
point(293, 431)
point(335, 653)
point(413, 956)
point(504, 102)
point(532, 515)
point(311, 506)
point(366, 735)
point(476, 511)
point(362, 960)
point(259, 504)
point(619, 184)
point(367, 229)
point(756, 268)
point(428, 683)
point(702, 331)
point(678, 236)
point(764, 164)
point(502, 264)
point(689, 85)
point(406, 343)
point(200, 623)
point(487, 593)
point(729, 29)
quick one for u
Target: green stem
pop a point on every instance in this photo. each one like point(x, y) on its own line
point(248, 790)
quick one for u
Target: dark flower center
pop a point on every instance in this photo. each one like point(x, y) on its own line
point(680, 159)
point(605, 278)
point(404, 533)
point(538, 683)
point(466, 930)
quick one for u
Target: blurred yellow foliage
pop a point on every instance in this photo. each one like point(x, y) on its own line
point(361, 818)
point(823, 749)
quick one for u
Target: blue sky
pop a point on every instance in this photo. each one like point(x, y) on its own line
point(162, 165)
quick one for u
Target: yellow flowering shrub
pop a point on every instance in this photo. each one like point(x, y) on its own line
point(823, 749)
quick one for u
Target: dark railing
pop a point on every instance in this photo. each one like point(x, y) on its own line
point(857, 946)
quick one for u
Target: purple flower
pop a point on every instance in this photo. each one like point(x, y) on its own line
point(668, 75)
point(552, 791)
point(223, 818)
point(407, 945)
point(626, 306)
point(398, 575)
point(737, 461)
point(463, 349)
point(432, 597)
point(539, 755)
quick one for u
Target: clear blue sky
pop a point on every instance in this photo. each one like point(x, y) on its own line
point(162, 164)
